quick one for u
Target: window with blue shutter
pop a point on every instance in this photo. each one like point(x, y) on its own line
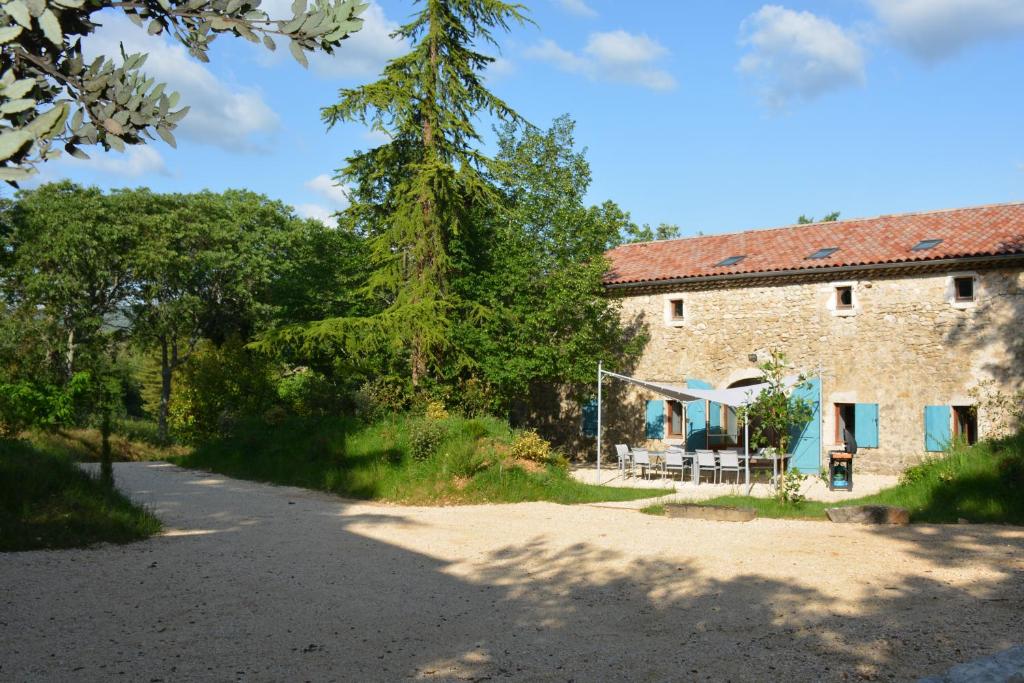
point(937, 432)
point(656, 419)
point(590, 418)
point(865, 425)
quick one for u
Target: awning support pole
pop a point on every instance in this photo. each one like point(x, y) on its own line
point(746, 451)
point(600, 371)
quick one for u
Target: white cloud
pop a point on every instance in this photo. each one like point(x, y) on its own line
point(798, 55)
point(934, 29)
point(222, 115)
point(318, 212)
point(613, 56)
point(578, 7)
point(326, 187)
point(500, 68)
point(137, 160)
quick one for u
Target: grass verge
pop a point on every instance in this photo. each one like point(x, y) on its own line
point(129, 443)
point(470, 463)
point(46, 501)
point(983, 483)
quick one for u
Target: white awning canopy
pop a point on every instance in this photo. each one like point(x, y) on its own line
point(735, 397)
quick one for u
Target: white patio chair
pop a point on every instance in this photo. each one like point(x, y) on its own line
point(729, 461)
point(706, 461)
point(641, 459)
point(622, 453)
point(675, 460)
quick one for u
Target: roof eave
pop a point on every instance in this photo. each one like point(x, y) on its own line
point(960, 261)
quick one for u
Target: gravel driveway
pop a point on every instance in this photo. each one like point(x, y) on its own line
point(255, 582)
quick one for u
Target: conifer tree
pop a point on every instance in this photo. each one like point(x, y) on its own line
point(413, 196)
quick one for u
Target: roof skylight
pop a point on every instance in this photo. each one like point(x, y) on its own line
point(924, 245)
point(823, 253)
point(731, 261)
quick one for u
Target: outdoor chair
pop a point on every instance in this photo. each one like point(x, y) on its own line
point(642, 460)
point(675, 460)
point(705, 462)
point(729, 461)
point(622, 453)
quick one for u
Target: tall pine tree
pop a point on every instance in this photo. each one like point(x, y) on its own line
point(412, 198)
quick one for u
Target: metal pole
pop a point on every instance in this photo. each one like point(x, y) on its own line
point(599, 373)
point(746, 450)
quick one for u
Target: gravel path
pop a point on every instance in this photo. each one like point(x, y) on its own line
point(263, 583)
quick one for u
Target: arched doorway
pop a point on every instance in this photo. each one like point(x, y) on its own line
point(732, 427)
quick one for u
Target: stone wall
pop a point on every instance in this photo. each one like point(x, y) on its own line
point(905, 344)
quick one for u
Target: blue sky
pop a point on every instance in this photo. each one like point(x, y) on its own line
point(715, 116)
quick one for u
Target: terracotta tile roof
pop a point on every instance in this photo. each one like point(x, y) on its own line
point(980, 231)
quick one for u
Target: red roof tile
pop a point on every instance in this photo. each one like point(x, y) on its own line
point(981, 231)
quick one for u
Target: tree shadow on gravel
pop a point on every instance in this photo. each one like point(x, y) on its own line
point(289, 586)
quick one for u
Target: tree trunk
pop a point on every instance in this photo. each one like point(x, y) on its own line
point(106, 468)
point(69, 356)
point(165, 394)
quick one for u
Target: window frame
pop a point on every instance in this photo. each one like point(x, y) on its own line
point(971, 415)
point(672, 305)
point(839, 407)
point(840, 306)
point(670, 408)
point(957, 279)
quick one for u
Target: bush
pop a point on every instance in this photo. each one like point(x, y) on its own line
point(436, 411)
point(310, 394)
point(218, 386)
point(382, 397)
point(425, 436)
point(531, 446)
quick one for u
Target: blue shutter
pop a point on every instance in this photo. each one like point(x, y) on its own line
point(590, 418)
point(865, 424)
point(696, 418)
point(937, 433)
point(805, 443)
point(656, 419)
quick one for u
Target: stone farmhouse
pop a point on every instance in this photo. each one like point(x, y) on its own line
point(894, 319)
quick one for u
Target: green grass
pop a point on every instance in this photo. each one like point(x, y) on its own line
point(129, 443)
point(472, 464)
point(48, 502)
point(983, 483)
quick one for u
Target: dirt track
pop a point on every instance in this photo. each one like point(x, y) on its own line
point(255, 582)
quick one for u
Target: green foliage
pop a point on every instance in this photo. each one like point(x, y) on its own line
point(25, 404)
point(776, 412)
point(789, 488)
point(374, 461)
point(979, 483)
point(310, 393)
point(531, 446)
point(382, 397)
point(425, 436)
point(827, 218)
point(537, 267)
point(1003, 410)
point(48, 502)
point(413, 197)
point(49, 96)
point(220, 385)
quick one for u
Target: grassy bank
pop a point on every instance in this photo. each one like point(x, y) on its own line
point(48, 502)
point(983, 483)
point(133, 441)
point(471, 462)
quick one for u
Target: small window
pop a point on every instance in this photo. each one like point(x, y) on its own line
point(676, 309)
point(823, 253)
point(925, 245)
point(844, 298)
point(963, 288)
point(675, 420)
point(731, 261)
point(965, 423)
point(845, 420)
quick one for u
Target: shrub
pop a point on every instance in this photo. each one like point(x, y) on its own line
point(425, 436)
point(531, 446)
point(309, 393)
point(476, 398)
point(381, 397)
point(789, 488)
point(436, 411)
